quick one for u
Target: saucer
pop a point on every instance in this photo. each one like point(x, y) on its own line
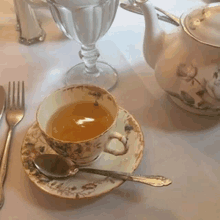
point(85, 185)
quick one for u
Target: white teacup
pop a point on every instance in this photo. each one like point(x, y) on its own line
point(85, 151)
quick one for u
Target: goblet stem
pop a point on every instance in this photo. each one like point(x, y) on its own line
point(89, 54)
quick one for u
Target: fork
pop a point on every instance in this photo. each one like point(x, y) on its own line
point(14, 114)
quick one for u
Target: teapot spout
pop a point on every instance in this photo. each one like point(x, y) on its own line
point(154, 35)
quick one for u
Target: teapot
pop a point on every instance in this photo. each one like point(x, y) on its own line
point(186, 61)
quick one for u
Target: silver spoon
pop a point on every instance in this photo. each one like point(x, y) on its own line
point(56, 166)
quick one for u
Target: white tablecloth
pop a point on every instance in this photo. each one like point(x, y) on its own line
point(178, 145)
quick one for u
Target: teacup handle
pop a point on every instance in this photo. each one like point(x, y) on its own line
point(122, 139)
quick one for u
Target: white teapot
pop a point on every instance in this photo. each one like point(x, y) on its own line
point(187, 61)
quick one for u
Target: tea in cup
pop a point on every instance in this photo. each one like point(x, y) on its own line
point(78, 122)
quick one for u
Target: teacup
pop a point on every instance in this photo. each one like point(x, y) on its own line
point(81, 152)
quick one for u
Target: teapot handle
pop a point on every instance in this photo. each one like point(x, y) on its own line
point(171, 16)
point(135, 9)
point(174, 18)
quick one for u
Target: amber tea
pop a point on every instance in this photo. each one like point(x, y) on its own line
point(79, 121)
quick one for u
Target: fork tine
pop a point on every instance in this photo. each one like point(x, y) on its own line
point(13, 97)
point(9, 96)
point(18, 96)
point(23, 96)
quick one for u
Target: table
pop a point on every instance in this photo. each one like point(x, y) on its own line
point(178, 144)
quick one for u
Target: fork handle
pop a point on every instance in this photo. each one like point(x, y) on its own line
point(4, 165)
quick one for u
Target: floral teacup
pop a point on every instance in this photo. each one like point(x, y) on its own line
point(85, 151)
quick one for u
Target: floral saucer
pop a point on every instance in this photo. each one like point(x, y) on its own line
point(85, 185)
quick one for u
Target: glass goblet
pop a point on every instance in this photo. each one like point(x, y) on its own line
point(86, 21)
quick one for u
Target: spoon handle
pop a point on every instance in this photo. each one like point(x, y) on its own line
point(149, 180)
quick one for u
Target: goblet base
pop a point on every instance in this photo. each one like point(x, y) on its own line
point(106, 78)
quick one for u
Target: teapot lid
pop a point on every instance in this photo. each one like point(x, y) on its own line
point(203, 24)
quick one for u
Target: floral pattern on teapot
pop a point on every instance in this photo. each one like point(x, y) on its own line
point(197, 89)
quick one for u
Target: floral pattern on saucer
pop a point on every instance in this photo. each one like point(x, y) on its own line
point(85, 185)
